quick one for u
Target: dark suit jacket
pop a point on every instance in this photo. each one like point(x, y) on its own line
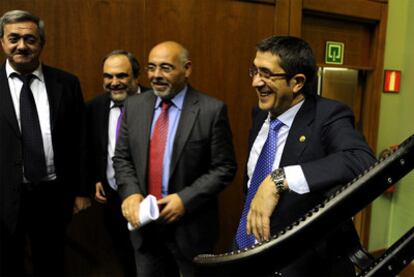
point(97, 116)
point(332, 155)
point(66, 113)
point(202, 164)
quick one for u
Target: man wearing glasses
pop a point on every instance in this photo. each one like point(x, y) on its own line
point(175, 144)
point(301, 147)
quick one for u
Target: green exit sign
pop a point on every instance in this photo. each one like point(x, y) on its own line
point(334, 52)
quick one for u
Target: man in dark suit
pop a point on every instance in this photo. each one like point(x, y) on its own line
point(316, 149)
point(41, 111)
point(195, 162)
point(103, 114)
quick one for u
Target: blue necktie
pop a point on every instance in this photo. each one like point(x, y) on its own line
point(263, 168)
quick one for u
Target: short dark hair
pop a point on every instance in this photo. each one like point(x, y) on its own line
point(295, 56)
point(16, 16)
point(132, 60)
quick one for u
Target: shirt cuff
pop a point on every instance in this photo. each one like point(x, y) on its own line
point(296, 179)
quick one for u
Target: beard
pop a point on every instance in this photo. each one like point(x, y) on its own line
point(118, 97)
point(165, 94)
point(168, 91)
point(118, 93)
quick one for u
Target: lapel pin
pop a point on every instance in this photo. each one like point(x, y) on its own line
point(302, 138)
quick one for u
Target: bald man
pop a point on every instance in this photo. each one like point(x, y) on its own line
point(185, 167)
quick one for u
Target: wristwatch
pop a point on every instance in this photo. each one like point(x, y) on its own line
point(278, 177)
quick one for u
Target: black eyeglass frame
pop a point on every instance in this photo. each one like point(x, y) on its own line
point(253, 71)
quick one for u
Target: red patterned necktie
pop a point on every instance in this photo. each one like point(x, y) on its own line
point(156, 153)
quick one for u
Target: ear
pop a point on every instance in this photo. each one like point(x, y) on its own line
point(297, 82)
point(188, 68)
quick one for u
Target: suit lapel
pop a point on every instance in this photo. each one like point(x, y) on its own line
point(103, 118)
point(6, 102)
point(143, 119)
point(187, 120)
point(54, 93)
point(299, 134)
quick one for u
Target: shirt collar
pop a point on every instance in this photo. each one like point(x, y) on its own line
point(177, 100)
point(38, 72)
point(288, 116)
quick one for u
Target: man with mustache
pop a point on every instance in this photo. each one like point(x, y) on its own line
point(41, 125)
point(302, 146)
point(104, 113)
point(175, 143)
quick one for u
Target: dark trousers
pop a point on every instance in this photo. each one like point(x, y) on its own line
point(161, 256)
point(41, 227)
point(116, 225)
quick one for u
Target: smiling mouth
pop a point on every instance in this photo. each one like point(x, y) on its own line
point(160, 86)
point(265, 93)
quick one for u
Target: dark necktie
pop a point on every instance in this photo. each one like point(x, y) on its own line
point(34, 161)
point(263, 168)
point(157, 149)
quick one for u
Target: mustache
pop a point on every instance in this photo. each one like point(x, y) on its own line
point(117, 87)
point(22, 52)
point(160, 81)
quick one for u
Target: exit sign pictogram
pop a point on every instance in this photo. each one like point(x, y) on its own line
point(334, 52)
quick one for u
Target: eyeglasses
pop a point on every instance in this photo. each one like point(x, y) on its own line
point(164, 68)
point(264, 73)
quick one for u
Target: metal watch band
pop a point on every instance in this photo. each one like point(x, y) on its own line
point(278, 177)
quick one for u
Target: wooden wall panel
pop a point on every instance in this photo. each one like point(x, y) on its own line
point(356, 36)
point(366, 9)
point(220, 35)
point(79, 33)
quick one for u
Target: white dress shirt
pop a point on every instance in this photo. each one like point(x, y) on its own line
point(114, 113)
point(38, 88)
point(294, 173)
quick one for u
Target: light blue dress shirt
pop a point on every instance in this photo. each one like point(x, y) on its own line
point(174, 113)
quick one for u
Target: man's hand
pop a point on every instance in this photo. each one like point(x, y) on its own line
point(173, 209)
point(261, 208)
point(100, 193)
point(130, 208)
point(81, 203)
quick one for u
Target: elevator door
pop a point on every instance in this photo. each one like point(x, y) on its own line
point(342, 84)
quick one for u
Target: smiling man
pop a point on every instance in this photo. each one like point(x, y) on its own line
point(120, 72)
point(176, 144)
point(41, 118)
point(301, 147)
